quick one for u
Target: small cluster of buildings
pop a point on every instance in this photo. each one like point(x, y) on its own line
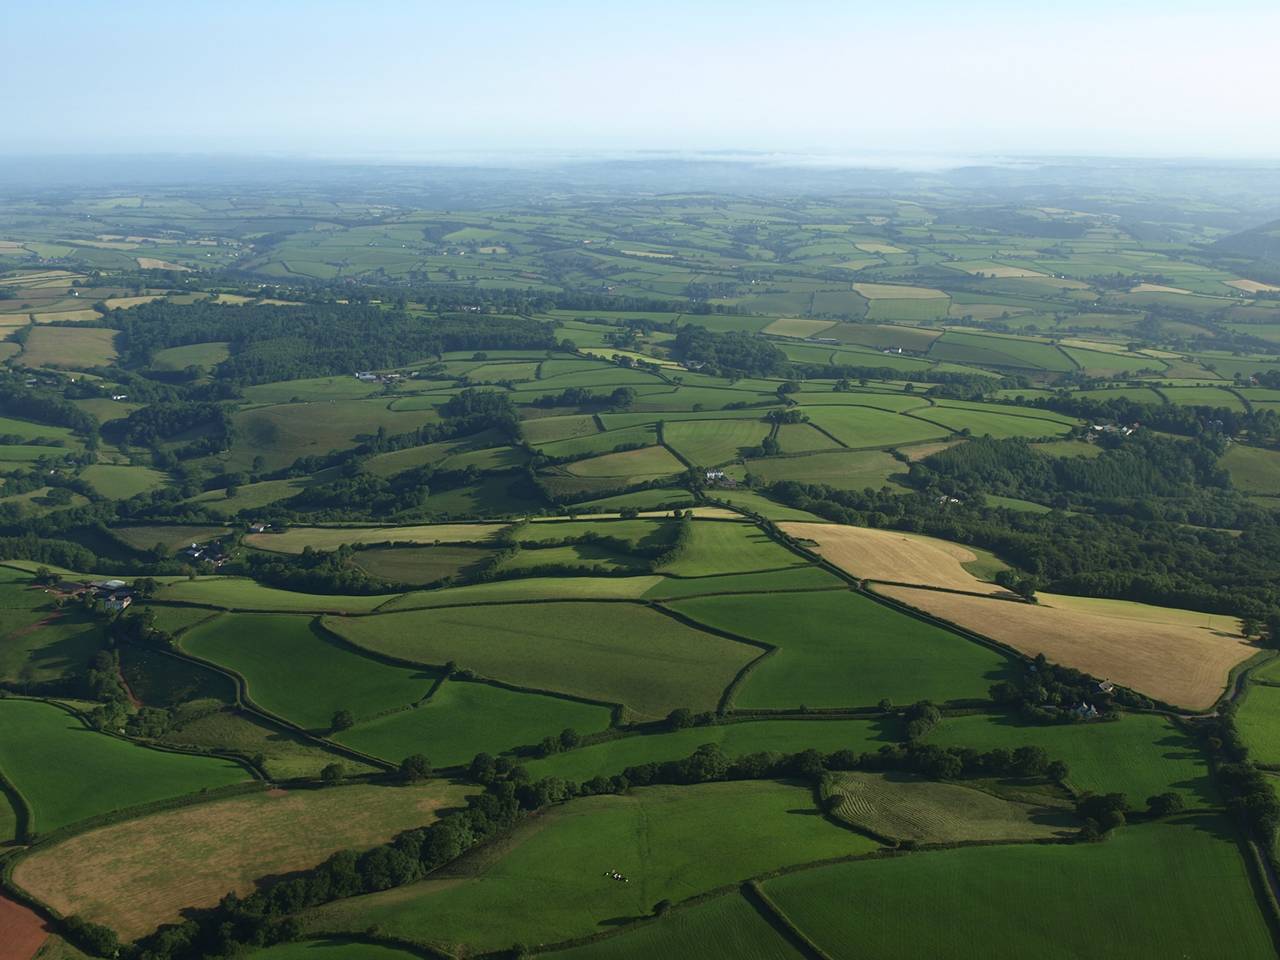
point(370, 376)
point(114, 595)
point(720, 479)
point(1097, 428)
point(215, 552)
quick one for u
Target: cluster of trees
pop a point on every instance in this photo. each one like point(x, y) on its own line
point(621, 398)
point(730, 354)
point(19, 400)
point(271, 343)
point(149, 425)
point(1190, 421)
point(1155, 550)
point(1046, 692)
point(261, 919)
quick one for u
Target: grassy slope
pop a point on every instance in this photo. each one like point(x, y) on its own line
point(671, 842)
point(67, 772)
point(840, 649)
point(618, 653)
point(296, 673)
point(1139, 755)
point(463, 719)
point(1161, 890)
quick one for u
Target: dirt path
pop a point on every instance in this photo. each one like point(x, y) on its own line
point(22, 933)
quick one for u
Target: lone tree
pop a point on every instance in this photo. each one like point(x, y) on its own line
point(415, 768)
point(332, 773)
point(1164, 804)
point(342, 720)
point(679, 718)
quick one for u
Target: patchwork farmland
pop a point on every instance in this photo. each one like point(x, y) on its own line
point(697, 575)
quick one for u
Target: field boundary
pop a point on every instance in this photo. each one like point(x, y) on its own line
point(754, 893)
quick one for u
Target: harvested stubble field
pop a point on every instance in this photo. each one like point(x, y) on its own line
point(1163, 656)
point(612, 652)
point(892, 556)
point(296, 539)
point(134, 876)
point(902, 807)
point(68, 347)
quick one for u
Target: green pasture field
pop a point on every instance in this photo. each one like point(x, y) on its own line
point(204, 355)
point(711, 442)
point(652, 499)
point(551, 429)
point(284, 432)
point(723, 546)
point(297, 539)
point(1097, 363)
point(958, 901)
point(285, 755)
point(175, 619)
point(37, 640)
point(103, 408)
point(792, 578)
point(256, 496)
point(1253, 469)
point(30, 430)
point(1013, 503)
point(725, 928)
point(640, 531)
point(643, 464)
point(848, 470)
point(296, 672)
point(610, 652)
point(735, 739)
point(236, 593)
point(617, 421)
point(462, 719)
point(74, 347)
point(841, 649)
point(67, 772)
point(821, 395)
point(883, 337)
point(803, 438)
point(331, 949)
point(993, 423)
point(397, 461)
point(695, 399)
point(862, 427)
point(1139, 755)
point(1137, 394)
point(421, 565)
point(514, 371)
point(999, 352)
point(904, 807)
point(533, 588)
point(757, 503)
point(549, 882)
point(1067, 448)
point(1203, 397)
point(1258, 721)
point(598, 559)
point(122, 482)
point(22, 453)
point(170, 536)
point(597, 443)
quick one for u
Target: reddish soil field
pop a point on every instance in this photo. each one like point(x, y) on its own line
point(21, 931)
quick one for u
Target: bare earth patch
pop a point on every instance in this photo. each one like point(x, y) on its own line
point(136, 875)
point(1163, 656)
point(893, 556)
point(22, 933)
point(1252, 286)
point(894, 291)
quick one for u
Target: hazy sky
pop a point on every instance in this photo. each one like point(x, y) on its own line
point(399, 78)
